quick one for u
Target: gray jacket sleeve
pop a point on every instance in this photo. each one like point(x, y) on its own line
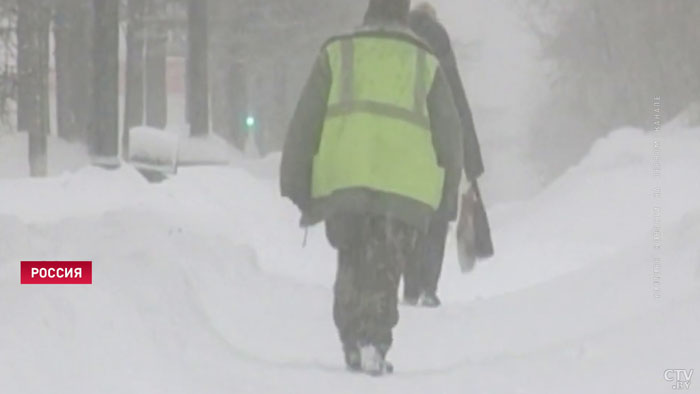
point(473, 162)
point(303, 137)
point(437, 37)
point(446, 126)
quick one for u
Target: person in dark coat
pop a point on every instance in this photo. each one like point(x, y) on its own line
point(422, 274)
point(374, 151)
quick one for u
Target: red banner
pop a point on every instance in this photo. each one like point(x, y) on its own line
point(56, 273)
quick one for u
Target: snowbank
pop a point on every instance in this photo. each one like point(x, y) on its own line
point(201, 284)
point(14, 155)
point(600, 206)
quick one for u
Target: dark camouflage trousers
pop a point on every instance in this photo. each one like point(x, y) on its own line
point(423, 269)
point(372, 252)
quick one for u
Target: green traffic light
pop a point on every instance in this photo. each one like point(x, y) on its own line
point(250, 121)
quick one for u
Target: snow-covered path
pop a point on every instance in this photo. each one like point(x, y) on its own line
point(201, 285)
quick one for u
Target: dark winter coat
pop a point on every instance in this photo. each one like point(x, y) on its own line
point(304, 136)
point(435, 35)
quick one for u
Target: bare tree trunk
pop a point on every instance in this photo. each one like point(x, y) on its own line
point(219, 65)
point(63, 25)
point(237, 99)
point(44, 31)
point(279, 115)
point(156, 66)
point(219, 106)
point(135, 43)
point(104, 121)
point(73, 67)
point(198, 78)
point(29, 114)
point(83, 68)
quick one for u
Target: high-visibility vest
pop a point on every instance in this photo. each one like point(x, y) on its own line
point(377, 133)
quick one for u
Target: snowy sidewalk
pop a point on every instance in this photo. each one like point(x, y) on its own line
point(201, 285)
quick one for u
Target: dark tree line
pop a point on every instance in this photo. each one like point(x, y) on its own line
point(260, 54)
point(87, 65)
point(71, 28)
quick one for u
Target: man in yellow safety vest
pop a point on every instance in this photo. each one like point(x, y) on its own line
point(375, 151)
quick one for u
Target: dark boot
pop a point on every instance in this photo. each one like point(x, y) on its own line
point(410, 300)
point(430, 300)
point(412, 279)
point(434, 254)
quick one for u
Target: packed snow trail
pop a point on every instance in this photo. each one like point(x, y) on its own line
point(201, 285)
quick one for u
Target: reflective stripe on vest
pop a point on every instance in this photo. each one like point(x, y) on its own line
point(377, 129)
point(347, 103)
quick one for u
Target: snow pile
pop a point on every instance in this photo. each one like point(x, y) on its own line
point(604, 204)
point(14, 153)
point(201, 284)
point(153, 149)
point(211, 149)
